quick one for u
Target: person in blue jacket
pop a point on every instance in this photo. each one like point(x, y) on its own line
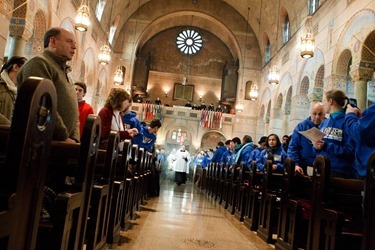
point(243, 155)
point(273, 151)
point(220, 149)
point(146, 137)
point(337, 145)
point(257, 150)
point(300, 147)
point(361, 127)
point(130, 120)
point(228, 156)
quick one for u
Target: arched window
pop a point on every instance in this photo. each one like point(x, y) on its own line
point(286, 29)
point(268, 51)
point(313, 6)
point(100, 8)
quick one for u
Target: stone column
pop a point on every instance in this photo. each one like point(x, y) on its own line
point(20, 31)
point(361, 73)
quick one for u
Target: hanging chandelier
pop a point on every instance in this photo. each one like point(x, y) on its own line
point(105, 54)
point(254, 92)
point(82, 20)
point(119, 76)
point(273, 76)
point(308, 40)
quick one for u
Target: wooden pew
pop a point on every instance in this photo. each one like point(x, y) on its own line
point(368, 239)
point(336, 210)
point(232, 188)
point(295, 201)
point(102, 193)
point(252, 208)
point(118, 201)
point(269, 211)
point(67, 229)
point(242, 192)
point(23, 173)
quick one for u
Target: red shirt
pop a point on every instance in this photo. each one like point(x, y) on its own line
point(84, 111)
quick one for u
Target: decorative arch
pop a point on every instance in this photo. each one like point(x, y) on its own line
point(35, 45)
point(211, 138)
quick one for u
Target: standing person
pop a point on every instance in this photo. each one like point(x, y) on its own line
point(360, 127)
point(228, 155)
point(337, 145)
point(256, 151)
point(117, 101)
point(300, 147)
point(285, 142)
point(181, 168)
point(84, 108)
point(244, 153)
point(60, 46)
point(8, 87)
point(220, 150)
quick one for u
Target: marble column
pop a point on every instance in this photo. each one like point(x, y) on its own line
point(20, 31)
point(361, 73)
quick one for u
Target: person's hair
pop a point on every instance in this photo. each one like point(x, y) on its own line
point(227, 142)
point(220, 143)
point(155, 123)
point(82, 85)
point(262, 139)
point(116, 97)
point(236, 140)
point(247, 139)
point(287, 136)
point(337, 96)
point(55, 31)
point(278, 142)
point(19, 60)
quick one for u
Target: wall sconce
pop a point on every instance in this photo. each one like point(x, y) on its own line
point(82, 20)
point(200, 98)
point(273, 76)
point(253, 92)
point(308, 40)
point(166, 93)
point(239, 106)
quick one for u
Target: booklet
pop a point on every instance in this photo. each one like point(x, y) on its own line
point(313, 134)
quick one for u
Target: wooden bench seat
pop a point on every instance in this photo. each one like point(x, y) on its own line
point(24, 164)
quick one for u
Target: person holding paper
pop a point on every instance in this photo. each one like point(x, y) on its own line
point(337, 145)
point(360, 127)
point(300, 147)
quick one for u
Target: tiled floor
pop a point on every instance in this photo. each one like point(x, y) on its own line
point(184, 218)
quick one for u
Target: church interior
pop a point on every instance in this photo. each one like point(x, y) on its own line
point(261, 64)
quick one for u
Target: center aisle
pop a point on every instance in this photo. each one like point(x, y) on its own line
point(184, 218)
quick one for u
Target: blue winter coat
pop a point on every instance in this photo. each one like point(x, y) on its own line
point(144, 139)
point(358, 130)
point(300, 147)
point(218, 154)
point(243, 155)
point(131, 121)
point(339, 147)
point(279, 156)
point(227, 157)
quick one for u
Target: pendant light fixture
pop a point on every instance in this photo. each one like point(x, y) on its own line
point(273, 76)
point(308, 40)
point(119, 76)
point(82, 20)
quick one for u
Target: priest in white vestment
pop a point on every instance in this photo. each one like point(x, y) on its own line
point(181, 167)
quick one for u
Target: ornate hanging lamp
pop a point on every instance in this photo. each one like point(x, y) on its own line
point(308, 40)
point(82, 20)
point(273, 76)
point(119, 76)
point(105, 54)
point(254, 92)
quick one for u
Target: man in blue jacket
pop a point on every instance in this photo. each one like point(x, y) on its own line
point(220, 150)
point(360, 127)
point(146, 137)
point(300, 148)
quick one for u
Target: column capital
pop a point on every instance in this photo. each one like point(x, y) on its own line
point(20, 27)
point(362, 71)
point(335, 82)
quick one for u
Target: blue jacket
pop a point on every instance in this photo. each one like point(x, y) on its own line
point(278, 158)
point(200, 160)
point(218, 154)
point(358, 130)
point(228, 157)
point(144, 139)
point(243, 155)
point(338, 145)
point(300, 147)
point(131, 121)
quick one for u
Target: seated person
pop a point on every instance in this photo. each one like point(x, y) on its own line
point(274, 152)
